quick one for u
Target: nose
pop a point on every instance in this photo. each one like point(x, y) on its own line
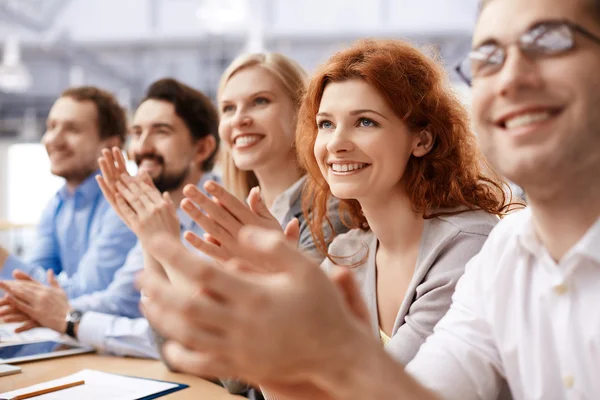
point(52, 137)
point(340, 141)
point(241, 119)
point(142, 144)
point(519, 73)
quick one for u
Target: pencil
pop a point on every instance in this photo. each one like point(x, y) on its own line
point(47, 390)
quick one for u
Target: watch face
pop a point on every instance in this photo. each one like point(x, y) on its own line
point(75, 315)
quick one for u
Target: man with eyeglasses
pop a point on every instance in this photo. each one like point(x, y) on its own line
point(527, 310)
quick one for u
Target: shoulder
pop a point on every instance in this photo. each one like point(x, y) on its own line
point(469, 222)
point(451, 241)
point(500, 254)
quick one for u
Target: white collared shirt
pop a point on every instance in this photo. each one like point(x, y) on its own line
point(520, 316)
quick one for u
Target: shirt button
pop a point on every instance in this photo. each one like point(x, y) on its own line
point(560, 289)
point(568, 381)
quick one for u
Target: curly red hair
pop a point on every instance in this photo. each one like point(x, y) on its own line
point(453, 175)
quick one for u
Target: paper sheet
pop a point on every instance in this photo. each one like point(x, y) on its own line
point(98, 386)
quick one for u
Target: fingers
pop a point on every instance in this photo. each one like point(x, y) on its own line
point(257, 205)
point(235, 206)
point(195, 362)
point(15, 317)
point(171, 252)
point(193, 321)
point(125, 211)
point(217, 213)
point(27, 326)
point(20, 289)
point(22, 276)
point(107, 190)
point(108, 168)
point(21, 305)
point(137, 199)
point(52, 280)
point(149, 189)
point(210, 249)
point(292, 231)
point(344, 281)
point(210, 225)
point(272, 248)
point(119, 161)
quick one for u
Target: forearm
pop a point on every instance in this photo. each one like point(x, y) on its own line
point(370, 373)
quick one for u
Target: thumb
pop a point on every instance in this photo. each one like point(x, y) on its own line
point(344, 281)
point(52, 279)
point(257, 205)
point(292, 231)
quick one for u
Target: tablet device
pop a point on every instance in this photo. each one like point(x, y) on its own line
point(21, 352)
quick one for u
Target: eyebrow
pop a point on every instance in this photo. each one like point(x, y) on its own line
point(156, 125)
point(529, 27)
point(355, 112)
point(486, 42)
point(251, 95)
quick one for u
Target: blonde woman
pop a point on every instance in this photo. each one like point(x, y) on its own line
point(258, 99)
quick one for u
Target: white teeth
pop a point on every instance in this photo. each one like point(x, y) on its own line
point(246, 140)
point(347, 167)
point(526, 119)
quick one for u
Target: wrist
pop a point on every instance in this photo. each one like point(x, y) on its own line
point(367, 371)
point(343, 374)
point(72, 320)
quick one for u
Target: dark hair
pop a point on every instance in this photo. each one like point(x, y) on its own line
point(454, 174)
point(112, 120)
point(193, 107)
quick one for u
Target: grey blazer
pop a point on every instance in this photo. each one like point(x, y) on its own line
point(447, 244)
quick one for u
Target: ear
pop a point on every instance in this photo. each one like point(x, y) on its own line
point(205, 147)
point(422, 143)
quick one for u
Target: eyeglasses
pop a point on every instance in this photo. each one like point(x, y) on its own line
point(546, 38)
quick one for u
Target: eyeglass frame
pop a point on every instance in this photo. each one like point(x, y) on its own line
point(573, 27)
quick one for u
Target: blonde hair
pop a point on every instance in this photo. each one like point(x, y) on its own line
point(293, 79)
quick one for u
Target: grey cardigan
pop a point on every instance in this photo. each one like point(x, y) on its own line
point(447, 244)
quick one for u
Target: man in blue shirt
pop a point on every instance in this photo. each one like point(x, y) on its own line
point(174, 138)
point(80, 238)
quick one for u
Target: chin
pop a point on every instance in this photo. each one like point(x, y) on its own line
point(344, 193)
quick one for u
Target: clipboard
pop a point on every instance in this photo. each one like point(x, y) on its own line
point(105, 385)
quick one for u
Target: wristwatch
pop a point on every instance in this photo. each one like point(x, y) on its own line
point(73, 319)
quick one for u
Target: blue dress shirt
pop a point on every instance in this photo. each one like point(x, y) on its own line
point(121, 298)
point(80, 238)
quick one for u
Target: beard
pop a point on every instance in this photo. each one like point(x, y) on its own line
point(166, 181)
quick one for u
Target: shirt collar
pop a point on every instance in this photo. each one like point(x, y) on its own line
point(588, 245)
point(525, 231)
point(87, 191)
